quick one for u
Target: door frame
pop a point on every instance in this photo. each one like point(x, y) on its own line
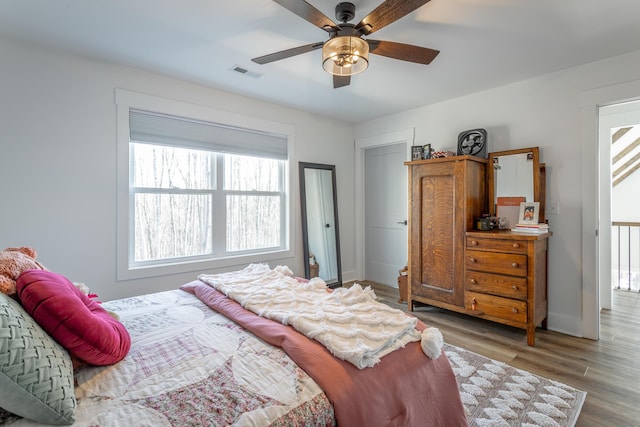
point(406, 136)
point(618, 114)
point(592, 248)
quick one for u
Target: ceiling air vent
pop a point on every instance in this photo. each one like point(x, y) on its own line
point(239, 69)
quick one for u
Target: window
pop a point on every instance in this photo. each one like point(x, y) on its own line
point(199, 194)
point(172, 202)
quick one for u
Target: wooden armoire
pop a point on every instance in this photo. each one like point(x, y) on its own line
point(445, 196)
point(497, 275)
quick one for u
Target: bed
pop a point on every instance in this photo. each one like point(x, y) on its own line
point(198, 358)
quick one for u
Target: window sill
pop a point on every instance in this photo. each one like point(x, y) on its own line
point(124, 272)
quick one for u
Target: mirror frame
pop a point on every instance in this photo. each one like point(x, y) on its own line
point(538, 170)
point(303, 213)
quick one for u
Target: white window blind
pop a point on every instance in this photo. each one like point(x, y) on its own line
point(156, 128)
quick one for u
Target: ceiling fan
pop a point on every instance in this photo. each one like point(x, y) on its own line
point(346, 52)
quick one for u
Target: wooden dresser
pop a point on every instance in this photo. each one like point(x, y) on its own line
point(506, 278)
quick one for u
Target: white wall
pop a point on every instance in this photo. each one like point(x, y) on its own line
point(544, 112)
point(58, 161)
point(624, 201)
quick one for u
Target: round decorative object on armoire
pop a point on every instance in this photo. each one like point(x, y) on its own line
point(473, 142)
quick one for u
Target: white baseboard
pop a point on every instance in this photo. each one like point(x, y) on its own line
point(564, 324)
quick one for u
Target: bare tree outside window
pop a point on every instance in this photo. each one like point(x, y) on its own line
point(253, 187)
point(175, 190)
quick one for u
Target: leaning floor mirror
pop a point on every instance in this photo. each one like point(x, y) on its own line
point(320, 236)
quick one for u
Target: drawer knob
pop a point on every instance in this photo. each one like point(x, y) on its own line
point(514, 265)
point(473, 281)
point(472, 260)
point(516, 245)
point(514, 310)
point(474, 243)
point(515, 288)
point(473, 304)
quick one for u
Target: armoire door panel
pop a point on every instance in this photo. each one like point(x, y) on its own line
point(437, 252)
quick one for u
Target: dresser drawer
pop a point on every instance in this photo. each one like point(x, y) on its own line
point(496, 284)
point(512, 246)
point(490, 305)
point(496, 262)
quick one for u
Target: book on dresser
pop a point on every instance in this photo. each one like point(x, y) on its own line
point(531, 228)
point(509, 209)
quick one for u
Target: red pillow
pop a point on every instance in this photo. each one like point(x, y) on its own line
point(77, 322)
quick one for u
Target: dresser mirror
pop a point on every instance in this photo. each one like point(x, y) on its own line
point(514, 176)
point(320, 237)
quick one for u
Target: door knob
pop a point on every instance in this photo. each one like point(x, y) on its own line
point(403, 222)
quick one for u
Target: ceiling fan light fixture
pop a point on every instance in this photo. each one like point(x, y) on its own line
point(345, 55)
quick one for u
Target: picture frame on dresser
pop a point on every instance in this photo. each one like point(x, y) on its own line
point(529, 213)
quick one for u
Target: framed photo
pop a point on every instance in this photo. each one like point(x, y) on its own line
point(426, 151)
point(529, 213)
point(416, 152)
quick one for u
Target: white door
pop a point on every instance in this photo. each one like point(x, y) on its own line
point(385, 213)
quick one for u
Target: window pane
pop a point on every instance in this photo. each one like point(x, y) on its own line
point(172, 226)
point(158, 166)
point(243, 173)
point(253, 222)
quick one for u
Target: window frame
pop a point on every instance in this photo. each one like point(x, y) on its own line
point(126, 100)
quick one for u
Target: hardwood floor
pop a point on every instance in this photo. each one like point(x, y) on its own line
point(608, 369)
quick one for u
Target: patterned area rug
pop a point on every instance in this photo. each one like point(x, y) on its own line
point(496, 394)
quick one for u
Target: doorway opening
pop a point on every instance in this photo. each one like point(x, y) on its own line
point(619, 164)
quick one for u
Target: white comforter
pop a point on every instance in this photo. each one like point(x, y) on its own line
point(349, 322)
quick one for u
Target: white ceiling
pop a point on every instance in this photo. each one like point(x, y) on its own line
point(483, 44)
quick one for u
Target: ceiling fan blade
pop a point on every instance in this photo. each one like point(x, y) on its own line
point(341, 81)
point(287, 53)
point(309, 13)
point(386, 13)
point(403, 52)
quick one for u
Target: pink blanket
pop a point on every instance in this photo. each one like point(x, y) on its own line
point(405, 389)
